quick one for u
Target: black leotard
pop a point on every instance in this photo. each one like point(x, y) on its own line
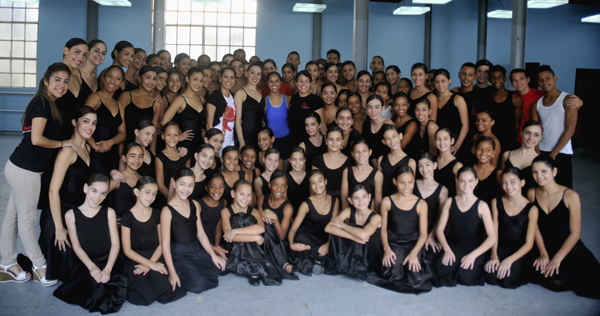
point(191, 119)
point(133, 116)
point(313, 151)
point(433, 205)
point(446, 177)
point(107, 128)
point(333, 176)
point(210, 217)
point(388, 173)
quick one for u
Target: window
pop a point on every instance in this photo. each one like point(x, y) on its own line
point(197, 28)
point(18, 44)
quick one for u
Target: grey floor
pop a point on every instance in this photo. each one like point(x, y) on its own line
point(336, 295)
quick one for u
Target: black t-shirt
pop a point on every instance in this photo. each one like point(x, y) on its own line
point(217, 99)
point(28, 156)
point(300, 107)
point(144, 235)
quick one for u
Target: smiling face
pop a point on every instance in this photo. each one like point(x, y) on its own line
point(392, 76)
point(404, 86)
point(405, 183)
point(134, 158)
point(392, 138)
point(441, 83)
point(364, 83)
point(154, 61)
point(196, 81)
point(265, 141)
point(76, 56)
point(278, 187)
point(303, 85)
point(422, 112)
point(216, 72)
point(183, 66)
point(97, 54)
point(344, 120)
point(231, 160)
point(328, 95)
point(360, 199)
point(466, 75)
point(374, 109)
point(333, 58)
point(57, 85)
point(532, 135)
point(313, 70)
point(271, 162)
point(297, 161)
point(124, 57)
point(207, 77)
point(216, 141)
point(361, 154)
point(484, 152)
point(268, 68)
point(547, 81)
point(383, 92)
point(171, 136)
point(317, 183)
point(482, 74)
point(86, 125)
point(215, 188)
point(238, 67)
point(145, 136)
point(426, 168)
point(401, 106)
point(148, 80)
point(341, 100)
point(418, 76)
point(249, 158)
point(139, 60)
point(511, 184)
point(161, 81)
point(242, 196)
point(287, 75)
point(166, 60)
point(349, 72)
point(443, 141)
point(205, 158)
point(95, 193)
point(497, 79)
point(332, 74)
point(520, 82)
point(227, 79)
point(147, 194)
point(484, 122)
point(274, 83)
point(543, 174)
point(354, 104)
point(311, 125)
point(174, 82)
point(335, 141)
point(321, 70)
point(184, 187)
point(467, 182)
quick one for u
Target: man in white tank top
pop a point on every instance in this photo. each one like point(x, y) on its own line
point(558, 122)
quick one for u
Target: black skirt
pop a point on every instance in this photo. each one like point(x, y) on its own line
point(194, 266)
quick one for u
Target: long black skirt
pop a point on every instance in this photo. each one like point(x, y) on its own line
point(520, 270)
point(398, 277)
point(58, 262)
point(79, 287)
point(194, 266)
point(277, 251)
point(453, 274)
point(351, 258)
point(154, 286)
point(305, 260)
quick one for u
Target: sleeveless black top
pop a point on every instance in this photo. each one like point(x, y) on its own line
point(93, 233)
point(412, 149)
point(297, 192)
point(504, 115)
point(333, 176)
point(170, 166)
point(199, 189)
point(448, 116)
point(413, 103)
point(107, 128)
point(133, 116)
point(374, 140)
point(278, 211)
point(488, 188)
point(554, 226)
point(191, 119)
point(266, 191)
point(466, 228)
point(252, 117)
point(512, 230)
point(403, 225)
point(433, 205)
point(314, 223)
point(446, 177)
point(313, 151)
point(210, 217)
point(388, 173)
point(421, 142)
point(123, 199)
point(354, 135)
point(71, 192)
point(526, 174)
point(183, 230)
point(148, 169)
point(129, 86)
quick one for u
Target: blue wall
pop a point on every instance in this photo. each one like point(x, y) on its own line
point(554, 36)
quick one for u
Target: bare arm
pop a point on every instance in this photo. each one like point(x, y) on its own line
point(177, 106)
point(573, 203)
point(518, 104)
point(64, 159)
point(431, 129)
point(302, 211)
point(81, 254)
point(408, 134)
point(378, 190)
point(570, 124)
point(239, 98)
point(322, 127)
point(165, 232)
point(486, 217)
point(114, 241)
point(461, 105)
point(434, 106)
point(218, 261)
point(344, 191)
point(210, 115)
point(160, 177)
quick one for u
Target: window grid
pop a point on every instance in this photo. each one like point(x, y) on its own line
point(197, 28)
point(18, 44)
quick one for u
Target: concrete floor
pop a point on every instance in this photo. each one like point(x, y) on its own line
point(335, 295)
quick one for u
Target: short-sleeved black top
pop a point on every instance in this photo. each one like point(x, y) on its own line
point(144, 235)
point(28, 156)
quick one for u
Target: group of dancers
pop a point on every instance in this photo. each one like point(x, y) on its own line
point(156, 180)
